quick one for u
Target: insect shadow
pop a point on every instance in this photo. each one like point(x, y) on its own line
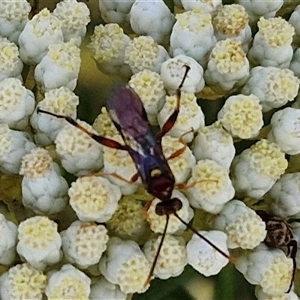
point(129, 117)
point(279, 234)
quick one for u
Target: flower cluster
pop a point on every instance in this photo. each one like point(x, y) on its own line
point(84, 218)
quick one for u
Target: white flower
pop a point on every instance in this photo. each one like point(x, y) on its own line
point(59, 101)
point(44, 190)
point(13, 145)
point(108, 44)
point(8, 241)
point(68, 283)
point(152, 18)
point(268, 268)
point(209, 187)
point(190, 117)
point(244, 228)
point(104, 125)
point(39, 242)
point(16, 103)
point(274, 87)
point(242, 116)
point(157, 222)
point(272, 43)
point(13, 17)
point(227, 68)
point(183, 161)
point(203, 257)
point(22, 282)
point(94, 198)
point(59, 67)
point(215, 143)
point(103, 289)
point(115, 11)
point(78, 152)
point(294, 20)
point(193, 36)
point(203, 5)
point(144, 53)
point(150, 89)
point(295, 63)
point(285, 131)
point(125, 264)
point(84, 243)
point(256, 169)
point(258, 8)
point(173, 71)
point(74, 16)
point(10, 62)
point(41, 31)
point(284, 195)
point(172, 256)
point(231, 21)
point(260, 295)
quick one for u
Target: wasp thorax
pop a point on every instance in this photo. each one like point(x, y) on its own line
point(168, 207)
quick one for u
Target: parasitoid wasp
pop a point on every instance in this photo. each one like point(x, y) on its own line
point(279, 234)
point(129, 117)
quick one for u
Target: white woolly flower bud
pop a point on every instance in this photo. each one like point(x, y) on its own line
point(107, 46)
point(44, 190)
point(272, 43)
point(215, 143)
point(256, 169)
point(68, 283)
point(103, 289)
point(22, 282)
point(8, 241)
point(295, 63)
point(244, 228)
point(173, 70)
point(125, 264)
point(190, 116)
point(13, 17)
point(84, 243)
point(274, 87)
point(285, 128)
point(260, 295)
point(231, 21)
point(58, 101)
point(157, 223)
point(150, 89)
point(268, 268)
point(180, 165)
point(152, 18)
point(16, 103)
point(202, 5)
point(284, 195)
point(10, 62)
point(13, 145)
point(78, 152)
point(39, 242)
point(104, 125)
point(120, 165)
point(144, 53)
point(228, 67)
point(258, 8)
point(193, 36)
point(116, 11)
point(242, 116)
point(203, 257)
point(74, 16)
point(294, 21)
point(209, 187)
point(94, 198)
point(172, 256)
point(128, 221)
point(41, 31)
point(59, 67)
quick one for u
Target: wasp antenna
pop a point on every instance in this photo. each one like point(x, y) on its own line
point(231, 259)
point(157, 252)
